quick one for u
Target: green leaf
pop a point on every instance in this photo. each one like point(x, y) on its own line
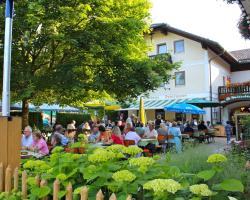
point(206, 174)
point(232, 185)
point(41, 192)
point(61, 194)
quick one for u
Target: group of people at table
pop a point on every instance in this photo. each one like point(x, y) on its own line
point(112, 133)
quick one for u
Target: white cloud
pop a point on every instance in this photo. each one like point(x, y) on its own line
point(213, 19)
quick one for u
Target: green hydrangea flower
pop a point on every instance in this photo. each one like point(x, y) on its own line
point(123, 176)
point(161, 185)
point(133, 150)
point(116, 148)
point(201, 189)
point(216, 158)
point(141, 161)
point(101, 155)
point(57, 150)
point(36, 164)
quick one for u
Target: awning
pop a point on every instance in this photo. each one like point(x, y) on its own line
point(203, 103)
point(157, 104)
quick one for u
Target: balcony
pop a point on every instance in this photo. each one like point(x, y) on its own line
point(165, 55)
point(239, 91)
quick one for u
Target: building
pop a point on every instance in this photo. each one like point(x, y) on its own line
point(207, 72)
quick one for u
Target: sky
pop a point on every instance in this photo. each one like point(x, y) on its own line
point(213, 19)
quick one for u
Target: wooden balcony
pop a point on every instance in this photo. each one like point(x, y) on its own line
point(240, 90)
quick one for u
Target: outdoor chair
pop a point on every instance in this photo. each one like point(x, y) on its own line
point(129, 143)
point(162, 139)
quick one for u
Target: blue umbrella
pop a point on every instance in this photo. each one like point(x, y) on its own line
point(184, 108)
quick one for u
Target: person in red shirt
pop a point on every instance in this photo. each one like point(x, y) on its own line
point(116, 137)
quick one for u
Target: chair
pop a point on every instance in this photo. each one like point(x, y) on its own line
point(162, 143)
point(129, 143)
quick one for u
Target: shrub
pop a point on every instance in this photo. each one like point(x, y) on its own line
point(65, 118)
point(35, 119)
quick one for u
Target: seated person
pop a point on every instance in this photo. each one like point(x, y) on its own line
point(27, 138)
point(56, 140)
point(131, 134)
point(60, 132)
point(116, 137)
point(163, 130)
point(202, 126)
point(39, 145)
point(71, 133)
point(188, 129)
point(95, 134)
point(150, 132)
point(140, 131)
point(104, 136)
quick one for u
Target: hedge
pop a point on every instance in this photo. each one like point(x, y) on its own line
point(35, 119)
point(65, 118)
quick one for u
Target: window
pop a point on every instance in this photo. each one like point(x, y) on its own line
point(161, 48)
point(180, 78)
point(179, 46)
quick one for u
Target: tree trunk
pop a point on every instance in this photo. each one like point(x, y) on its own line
point(25, 112)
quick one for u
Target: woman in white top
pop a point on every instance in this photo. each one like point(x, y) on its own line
point(151, 132)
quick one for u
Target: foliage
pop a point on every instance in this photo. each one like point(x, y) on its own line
point(71, 52)
point(113, 170)
point(243, 26)
point(35, 119)
point(65, 118)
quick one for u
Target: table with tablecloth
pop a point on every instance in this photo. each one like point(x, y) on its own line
point(145, 141)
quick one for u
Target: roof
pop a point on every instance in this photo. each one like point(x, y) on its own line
point(205, 42)
point(243, 55)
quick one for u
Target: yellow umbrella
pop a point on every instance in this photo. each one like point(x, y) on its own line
point(112, 107)
point(142, 114)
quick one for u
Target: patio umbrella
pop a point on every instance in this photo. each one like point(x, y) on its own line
point(142, 112)
point(112, 107)
point(184, 108)
point(203, 103)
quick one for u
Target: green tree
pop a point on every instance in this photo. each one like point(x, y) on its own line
point(70, 52)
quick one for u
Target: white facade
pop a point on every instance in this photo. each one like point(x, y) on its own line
point(198, 63)
point(240, 76)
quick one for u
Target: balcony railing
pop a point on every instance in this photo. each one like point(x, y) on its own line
point(234, 90)
point(167, 55)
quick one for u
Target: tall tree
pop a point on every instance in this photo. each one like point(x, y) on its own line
point(69, 52)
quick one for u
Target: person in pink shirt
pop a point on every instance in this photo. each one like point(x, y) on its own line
point(39, 144)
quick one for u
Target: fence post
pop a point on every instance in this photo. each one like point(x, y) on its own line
point(8, 179)
point(16, 178)
point(113, 197)
point(99, 195)
point(24, 185)
point(69, 192)
point(56, 189)
point(37, 180)
point(1, 177)
point(42, 184)
point(84, 193)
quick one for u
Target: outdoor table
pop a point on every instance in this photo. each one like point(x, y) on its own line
point(99, 145)
point(27, 154)
point(145, 141)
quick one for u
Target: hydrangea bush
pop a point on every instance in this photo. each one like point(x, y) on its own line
point(122, 170)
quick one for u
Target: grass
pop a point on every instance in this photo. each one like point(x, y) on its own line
point(193, 159)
